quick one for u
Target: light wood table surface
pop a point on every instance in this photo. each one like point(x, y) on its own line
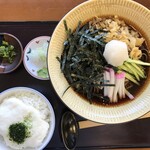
point(43, 10)
point(40, 10)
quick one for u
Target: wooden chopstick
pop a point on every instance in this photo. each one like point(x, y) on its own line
point(89, 124)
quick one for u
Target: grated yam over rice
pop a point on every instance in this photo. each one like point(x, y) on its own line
point(35, 101)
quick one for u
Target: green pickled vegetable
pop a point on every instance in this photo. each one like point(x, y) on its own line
point(43, 73)
point(7, 52)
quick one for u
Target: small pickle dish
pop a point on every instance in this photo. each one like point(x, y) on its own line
point(11, 53)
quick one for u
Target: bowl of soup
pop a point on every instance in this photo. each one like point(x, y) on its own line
point(98, 60)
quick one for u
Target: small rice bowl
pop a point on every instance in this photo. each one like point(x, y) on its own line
point(39, 106)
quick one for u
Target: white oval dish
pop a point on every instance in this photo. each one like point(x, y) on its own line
point(32, 60)
point(16, 91)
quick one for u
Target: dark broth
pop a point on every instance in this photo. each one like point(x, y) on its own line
point(135, 90)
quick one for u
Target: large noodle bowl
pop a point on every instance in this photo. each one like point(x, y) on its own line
point(104, 60)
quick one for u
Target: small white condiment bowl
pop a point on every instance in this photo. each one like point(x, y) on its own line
point(33, 45)
point(21, 90)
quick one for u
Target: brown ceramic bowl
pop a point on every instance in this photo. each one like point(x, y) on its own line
point(6, 67)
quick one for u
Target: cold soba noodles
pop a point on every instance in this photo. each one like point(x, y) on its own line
point(104, 60)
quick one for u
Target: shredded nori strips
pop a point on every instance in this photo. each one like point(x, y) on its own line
point(82, 61)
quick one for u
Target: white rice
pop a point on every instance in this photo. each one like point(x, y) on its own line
point(36, 101)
